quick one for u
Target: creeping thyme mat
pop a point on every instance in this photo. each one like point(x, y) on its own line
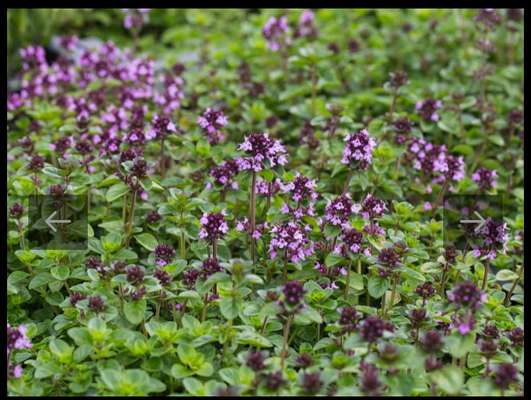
point(268, 202)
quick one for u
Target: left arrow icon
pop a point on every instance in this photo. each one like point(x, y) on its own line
point(49, 221)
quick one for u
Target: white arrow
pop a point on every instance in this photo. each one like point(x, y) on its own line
point(480, 221)
point(49, 221)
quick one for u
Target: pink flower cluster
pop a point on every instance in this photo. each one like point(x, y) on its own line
point(224, 174)
point(353, 241)
point(306, 27)
point(427, 109)
point(16, 339)
point(135, 18)
point(339, 210)
point(293, 239)
point(303, 193)
point(261, 148)
point(494, 236)
point(275, 32)
point(485, 178)
point(213, 226)
point(243, 225)
point(435, 161)
point(212, 121)
point(170, 98)
point(358, 149)
point(161, 127)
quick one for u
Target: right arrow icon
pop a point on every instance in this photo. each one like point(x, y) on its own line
point(480, 221)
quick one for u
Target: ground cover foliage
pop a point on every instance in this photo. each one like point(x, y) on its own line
point(269, 203)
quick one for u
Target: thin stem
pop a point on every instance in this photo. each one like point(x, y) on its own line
point(393, 291)
point(347, 283)
point(485, 277)
point(131, 217)
point(253, 216)
point(314, 87)
point(285, 342)
point(347, 181)
point(510, 292)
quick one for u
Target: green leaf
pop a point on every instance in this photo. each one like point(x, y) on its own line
point(147, 240)
point(229, 307)
point(377, 286)
point(61, 273)
point(111, 242)
point(458, 345)
point(134, 311)
point(449, 379)
point(506, 275)
point(194, 386)
point(334, 259)
point(61, 350)
point(40, 279)
point(116, 191)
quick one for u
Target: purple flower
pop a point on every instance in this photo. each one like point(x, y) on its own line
point(369, 382)
point(75, 297)
point(463, 323)
point(339, 210)
point(516, 336)
point(212, 121)
point(153, 217)
point(269, 189)
point(210, 266)
point(485, 178)
point(303, 193)
point(373, 328)
point(306, 27)
point(16, 211)
point(432, 363)
point(243, 225)
point(358, 149)
point(311, 382)
point(255, 361)
point(225, 173)
point(94, 262)
point(494, 236)
point(293, 293)
point(164, 254)
point(467, 295)
point(307, 135)
point(274, 32)
point(170, 98)
point(274, 380)
point(428, 109)
point(425, 290)
point(372, 207)
point(304, 360)
point(432, 341)
point(162, 126)
point(190, 277)
point(389, 258)
point(96, 303)
point(213, 226)
point(489, 17)
point(16, 338)
point(353, 241)
point(138, 293)
point(293, 239)
point(349, 318)
point(261, 148)
point(163, 277)
point(505, 374)
point(135, 18)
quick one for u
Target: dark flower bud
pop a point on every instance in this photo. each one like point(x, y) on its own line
point(96, 303)
point(36, 163)
point(425, 290)
point(119, 267)
point(135, 274)
point(274, 381)
point(505, 374)
point(389, 257)
point(491, 332)
point(163, 277)
point(333, 47)
point(16, 211)
point(450, 253)
point(293, 292)
point(75, 297)
point(153, 217)
point(398, 79)
point(57, 190)
point(210, 266)
point(488, 347)
point(190, 277)
point(388, 352)
point(353, 46)
point(311, 382)
point(372, 328)
point(255, 361)
point(432, 363)
point(138, 293)
point(304, 360)
point(417, 316)
point(349, 318)
point(467, 294)
point(516, 336)
point(164, 254)
point(369, 383)
point(227, 392)
point(432, 341)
